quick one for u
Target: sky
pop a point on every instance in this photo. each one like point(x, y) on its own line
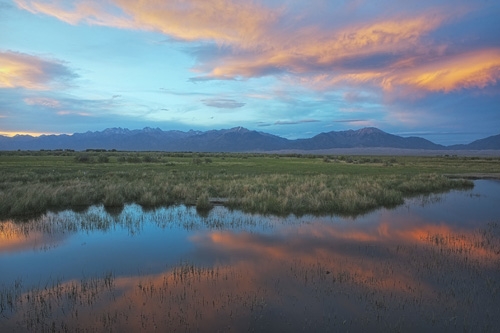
point(293, 68)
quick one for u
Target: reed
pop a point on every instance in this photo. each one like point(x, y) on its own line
point(33, 184)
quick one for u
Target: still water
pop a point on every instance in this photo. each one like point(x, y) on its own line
point(431, 264)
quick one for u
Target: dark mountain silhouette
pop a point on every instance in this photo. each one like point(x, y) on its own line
point(491, 142)
point(364, 138)
point(236, 139)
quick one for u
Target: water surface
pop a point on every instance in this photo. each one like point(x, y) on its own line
point(431, 264)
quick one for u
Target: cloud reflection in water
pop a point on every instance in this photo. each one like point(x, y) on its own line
point(389, 270)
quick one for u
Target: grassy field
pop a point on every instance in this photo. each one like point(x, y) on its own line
point(34, 182)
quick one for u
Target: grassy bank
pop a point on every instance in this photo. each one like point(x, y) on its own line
point(33, 182)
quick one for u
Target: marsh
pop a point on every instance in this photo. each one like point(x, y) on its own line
point(430, 264)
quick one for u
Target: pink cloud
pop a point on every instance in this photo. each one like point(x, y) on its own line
point(20, 70)
point(223, 21)
point(69, 113)
point(383, 51)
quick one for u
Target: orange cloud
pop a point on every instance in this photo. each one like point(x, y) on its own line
point(19, 70)
point(380, 36)
point(245, 26)
point(312, 50)
point(271, 40)
point(94, 13)
point(476, 69)
point(223, 21)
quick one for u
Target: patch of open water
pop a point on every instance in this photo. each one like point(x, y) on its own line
point(431, 264)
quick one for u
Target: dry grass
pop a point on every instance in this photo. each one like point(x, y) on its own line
point(31, 185)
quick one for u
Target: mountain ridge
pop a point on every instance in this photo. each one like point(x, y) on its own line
point(237, 139)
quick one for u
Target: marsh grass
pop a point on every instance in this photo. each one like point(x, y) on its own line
point(203, 202)
point(32, 184)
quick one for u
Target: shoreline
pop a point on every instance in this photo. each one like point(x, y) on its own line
point(474, 176)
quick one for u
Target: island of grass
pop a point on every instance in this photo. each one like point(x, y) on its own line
point(33, 182)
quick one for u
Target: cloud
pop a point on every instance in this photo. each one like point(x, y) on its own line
point(312, 50)
point(357, 97)
point(223, 103)
point(420, 75)
point(73, 113)
point(43, 101)
point(211, 78)
point(45, 107)
point(224, 21)
point(259, 40)
point(476, 69)
point(350, 121)
point(20, 70)
point(281, 122)
point(182, 93)
point(399, 51)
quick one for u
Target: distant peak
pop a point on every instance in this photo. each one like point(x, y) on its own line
point(369, 130)
point(238, 129)
point(116, 130)
point(150, 129)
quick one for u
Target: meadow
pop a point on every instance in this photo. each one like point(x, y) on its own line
point(32, 183)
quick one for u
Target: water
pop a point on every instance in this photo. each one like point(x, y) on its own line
point(431, 264)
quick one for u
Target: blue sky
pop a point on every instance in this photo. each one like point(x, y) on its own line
point(291, 68)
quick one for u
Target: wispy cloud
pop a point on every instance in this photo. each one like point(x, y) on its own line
point(20, 70)
point(223, 103)
point(257, 40)
point(43, 101)
point(289, 122)
point(476, 69)
point(73, 113)
point(182, 93)
point(307, 50)
point(350, 121)
point(224, 21)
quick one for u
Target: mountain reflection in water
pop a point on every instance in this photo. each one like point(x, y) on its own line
point(432, 264)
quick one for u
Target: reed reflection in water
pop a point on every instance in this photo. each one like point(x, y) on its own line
point(392, 270)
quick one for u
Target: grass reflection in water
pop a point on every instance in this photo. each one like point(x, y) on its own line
point(321, 275)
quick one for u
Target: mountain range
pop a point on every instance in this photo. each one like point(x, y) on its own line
point(236, 139)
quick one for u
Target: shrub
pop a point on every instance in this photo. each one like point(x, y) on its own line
point(103, 159)
point(134, 159)
point(149, 159)
point(84, 158)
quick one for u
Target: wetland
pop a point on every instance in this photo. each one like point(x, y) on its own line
point(428, 261)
